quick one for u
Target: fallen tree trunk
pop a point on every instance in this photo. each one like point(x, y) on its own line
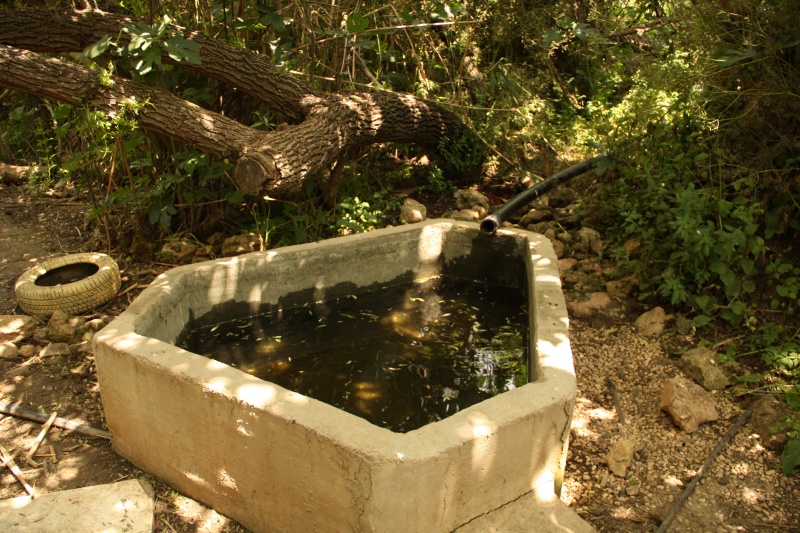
point(15, 174)
point(163, 112)
point(41, 30)
point(329, 125)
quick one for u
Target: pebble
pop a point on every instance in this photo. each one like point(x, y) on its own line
point(667, 457)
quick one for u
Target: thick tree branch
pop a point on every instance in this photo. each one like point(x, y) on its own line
point(15, 175)
point(329, 126)
point(164, 112)
point(42, 31)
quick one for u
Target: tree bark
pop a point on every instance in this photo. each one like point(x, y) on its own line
point(328, 125)
point(164, 112)
point(40, 30)
point(15, 174)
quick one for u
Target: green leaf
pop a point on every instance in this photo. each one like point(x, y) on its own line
point(551, 37)
point(748, 266)
point(738, 308)
point(61, 111)
point(154, 213)
point(748, 286)
point(702, 301)
point(732, 284)
point(701, 320)
point(790, 458)
point(718, 267)
point(356, 23)
point(234, 197)
point(684, 325)
point(97, 49)
point(772, 219)
point(734, 56)
point(730, 316)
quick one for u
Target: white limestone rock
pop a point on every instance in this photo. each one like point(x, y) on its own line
point(652, 322)
point(413, 211)
point(688, 403)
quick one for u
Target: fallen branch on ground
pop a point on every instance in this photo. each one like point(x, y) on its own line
point(59, 422)
point(615, 397)
point(39, 440)
point(9, 462)
point(703, 469)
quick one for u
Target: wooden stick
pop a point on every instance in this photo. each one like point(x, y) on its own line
point(9, 462)
point(615, 397)
point(703, 469)
point(59, 422)
point(40, 438)
point(131, 288)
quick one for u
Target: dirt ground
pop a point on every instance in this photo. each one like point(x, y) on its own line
point(743, 490)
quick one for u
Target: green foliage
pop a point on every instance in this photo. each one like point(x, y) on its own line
point(701, 118)
point(790, 458)
point(437, 182)
point(700, 245)
point(460, 158)
point(146, 44)
point(784, 358)
point(356, 216)
point(786, 278)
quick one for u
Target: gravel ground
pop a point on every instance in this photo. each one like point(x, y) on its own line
point(743, 490)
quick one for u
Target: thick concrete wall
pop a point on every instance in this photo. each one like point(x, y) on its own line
point(278, 461)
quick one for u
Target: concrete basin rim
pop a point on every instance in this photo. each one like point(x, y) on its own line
point(554, 386)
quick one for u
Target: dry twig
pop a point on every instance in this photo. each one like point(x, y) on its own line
point(59, 422)
point(9, 462)
point(703, 469)
point(617, 404)
point(39, 439)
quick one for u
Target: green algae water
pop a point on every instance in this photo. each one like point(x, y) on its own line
point(400, 357)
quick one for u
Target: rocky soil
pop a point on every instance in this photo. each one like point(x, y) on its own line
point(629, 460)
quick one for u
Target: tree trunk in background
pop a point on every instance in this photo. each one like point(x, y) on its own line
point(326, 126)
point(15, 174)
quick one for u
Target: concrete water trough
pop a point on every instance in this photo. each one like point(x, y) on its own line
point(275, 460)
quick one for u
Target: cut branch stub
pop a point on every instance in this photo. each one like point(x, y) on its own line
point(252, 170)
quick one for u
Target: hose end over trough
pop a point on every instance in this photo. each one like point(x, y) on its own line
point(495, 220)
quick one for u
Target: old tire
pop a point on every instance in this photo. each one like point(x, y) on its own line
point(72, 283)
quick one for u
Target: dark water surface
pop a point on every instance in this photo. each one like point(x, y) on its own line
point(400, 357)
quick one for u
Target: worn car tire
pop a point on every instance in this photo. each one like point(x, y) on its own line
point(74, 297)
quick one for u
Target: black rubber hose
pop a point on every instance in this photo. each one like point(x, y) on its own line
point(492, 222)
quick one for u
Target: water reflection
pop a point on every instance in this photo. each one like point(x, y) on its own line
point(401, 357)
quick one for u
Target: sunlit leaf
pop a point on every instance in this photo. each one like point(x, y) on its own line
point(97, 49)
